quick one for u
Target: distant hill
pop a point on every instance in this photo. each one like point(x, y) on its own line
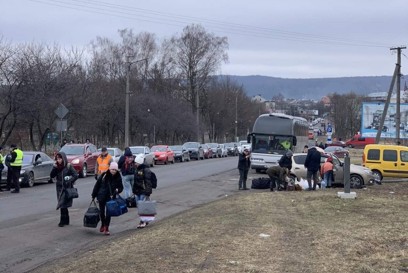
point(267, 87)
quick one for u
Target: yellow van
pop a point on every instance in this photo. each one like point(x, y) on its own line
point(386, 160)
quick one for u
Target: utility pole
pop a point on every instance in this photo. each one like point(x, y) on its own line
point(396, 77)
point(127, 94)
point(398, 110)
point(198, 115)
point(236, 118)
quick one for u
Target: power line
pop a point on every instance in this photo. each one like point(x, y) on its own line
point(132, 13)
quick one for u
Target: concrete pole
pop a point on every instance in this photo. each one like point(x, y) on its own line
point(346, 172)
point(127, 106)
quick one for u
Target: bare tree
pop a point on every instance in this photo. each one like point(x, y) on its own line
point(197, 55)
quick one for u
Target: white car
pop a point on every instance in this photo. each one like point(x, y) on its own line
point(243, 144)
point(116, 153)
point(224, 150)
point(144, 150)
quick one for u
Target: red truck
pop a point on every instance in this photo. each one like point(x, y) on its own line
point(359, 141)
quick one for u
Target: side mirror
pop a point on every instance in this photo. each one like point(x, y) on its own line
point(294, 141)
point(249, 138)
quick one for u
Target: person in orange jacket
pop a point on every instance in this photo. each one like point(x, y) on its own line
point(327, 172)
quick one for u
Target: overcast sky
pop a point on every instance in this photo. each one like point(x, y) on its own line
point(288, 39)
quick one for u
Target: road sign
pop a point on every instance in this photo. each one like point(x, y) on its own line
point(61, 125)
point(329, 128)
point(61, 111)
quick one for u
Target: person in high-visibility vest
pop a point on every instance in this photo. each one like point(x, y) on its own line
point(16, 162)
point(1, 165)
point(286, 144)
point(102, 162)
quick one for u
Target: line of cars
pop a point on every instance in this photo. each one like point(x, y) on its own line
point(82, 156)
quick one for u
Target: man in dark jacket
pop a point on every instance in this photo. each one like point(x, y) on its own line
point(278, 176)
point(127, 168)
point(244, 162)
point(106, 187)
point(286, 160)
point(312, 164)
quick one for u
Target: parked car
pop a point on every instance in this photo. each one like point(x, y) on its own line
point(162, 154)
point(116, 153)
point(144, 150)
point(243, 144)
point(386, 160)
point(82, 157)
point(359, 175)
point(36, 168)
point(232, 148)
point(195, 150)
point(215, 148)
point(358, 141)
point(338, 151)
point(208, 153)
point(337, 143)
point(224, 152)
point(181, 154)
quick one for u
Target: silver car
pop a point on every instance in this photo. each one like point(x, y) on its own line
point(36, 168)
point(144, 150)
point(359, 175)
point(116, 153)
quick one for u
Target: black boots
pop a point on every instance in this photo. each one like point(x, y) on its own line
point(64, 218)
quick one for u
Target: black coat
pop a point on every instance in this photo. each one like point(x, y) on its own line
point(243, 162)
point(143, 182)
point(106, 186)
point(312, 162)
point(67, 171)
point(285, 162)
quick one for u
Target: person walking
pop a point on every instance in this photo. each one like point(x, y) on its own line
point(102, 162)
point(312, 164)
point(16, 162)
point(127, 168)
point(327, 172)
point(142, 188)
point(244, 162)
point(66, 176)
point(106, 187)
point(1, 166)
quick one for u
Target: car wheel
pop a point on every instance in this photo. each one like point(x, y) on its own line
point(30, 181)
point(173, 161)
point(377, 175)
point(188, 158)
point(84, 171)
point(356, 181)
point(257, 170)
point(166, 161)
point(350, 146)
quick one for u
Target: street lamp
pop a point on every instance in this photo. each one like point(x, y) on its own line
point(127, 96)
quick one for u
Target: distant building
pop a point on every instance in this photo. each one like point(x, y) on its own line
point(258, 98)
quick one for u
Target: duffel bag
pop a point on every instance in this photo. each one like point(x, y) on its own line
point(131, 202)
point(122, 204)
point(113, 208)
point(91, 217)
point(261, 183)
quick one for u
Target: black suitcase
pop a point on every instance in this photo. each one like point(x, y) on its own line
point(261, 183)
point(91, 217)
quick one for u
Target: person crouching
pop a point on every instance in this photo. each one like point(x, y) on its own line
point(279, 177)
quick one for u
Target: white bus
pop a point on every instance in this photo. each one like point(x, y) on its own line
point(274, 134)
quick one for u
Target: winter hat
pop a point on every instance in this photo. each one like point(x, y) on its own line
point(289, 153)
point(113, 166)
point(139, 159)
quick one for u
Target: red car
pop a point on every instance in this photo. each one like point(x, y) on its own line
point(82, 157)
point(208, 153)
point(162, 154)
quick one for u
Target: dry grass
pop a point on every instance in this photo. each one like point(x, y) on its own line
point(308, 232)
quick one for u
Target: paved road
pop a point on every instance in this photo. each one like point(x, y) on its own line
point(29, 235)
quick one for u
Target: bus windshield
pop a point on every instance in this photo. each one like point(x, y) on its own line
point(267, 144)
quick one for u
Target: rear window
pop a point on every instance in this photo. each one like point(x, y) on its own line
point(373, 154)
point(404, 156)
point(390, 155)
point(300, 159)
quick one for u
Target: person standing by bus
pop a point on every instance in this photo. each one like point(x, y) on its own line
point(312, 164)
point(244, 162)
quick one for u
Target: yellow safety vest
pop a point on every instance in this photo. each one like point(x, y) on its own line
point(103, 163)
point(1, 158)
point(19, 159)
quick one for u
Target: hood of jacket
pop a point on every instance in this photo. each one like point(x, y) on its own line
point(64, 158)
point(128, 152)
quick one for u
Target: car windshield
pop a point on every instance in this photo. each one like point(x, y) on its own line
point(191, 145)
point(72, 150)
point(333, 148)
point(111, 152)
point(212, 145)
point(176, 148)
point(158, 149)
point(27, 159)
point(229, 145)
point(137, 150)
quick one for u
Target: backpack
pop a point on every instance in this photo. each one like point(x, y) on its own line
point(153, 179)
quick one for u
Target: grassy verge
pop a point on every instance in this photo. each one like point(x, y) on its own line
point(260, 231)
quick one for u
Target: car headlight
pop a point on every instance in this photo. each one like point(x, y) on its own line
point(162, 155)
point(75, 161)
point(368, 171)
point(22, 171)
